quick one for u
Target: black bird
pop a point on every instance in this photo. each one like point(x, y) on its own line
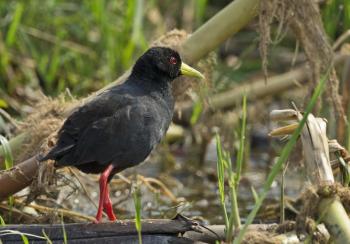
point(119, 128)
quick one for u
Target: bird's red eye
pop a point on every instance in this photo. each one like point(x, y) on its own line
point(172, 60)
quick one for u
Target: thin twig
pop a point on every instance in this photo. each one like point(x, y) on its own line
point(82, 186)
point(9, 118)
point(163, 187)
point(341, 39)
point(65, 212)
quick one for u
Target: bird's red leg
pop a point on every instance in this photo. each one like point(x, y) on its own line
point(103, 187)
point(107, 205)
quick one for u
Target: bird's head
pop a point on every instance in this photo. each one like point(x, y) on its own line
point(164, 62)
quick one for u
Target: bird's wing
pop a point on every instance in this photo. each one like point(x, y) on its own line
point(127, 137)
point(80, 119)
point(102, 106)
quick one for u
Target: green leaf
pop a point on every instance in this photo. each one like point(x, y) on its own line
point(345, 169)
point(221, 177)
point(11, 34)
point(2, 221)
point(255, 194)
point(3, 104)
point(6, 152)
point(197, 111)
point(8, 165)
point(240, 155)
point(25, 239)
point(47, 238)
point(137, 202)
point(65, 239)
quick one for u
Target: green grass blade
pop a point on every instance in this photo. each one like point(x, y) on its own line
point(221, 177)
point(2, 221)
point(65, 238)
point(8, 165)
point(6, 152)
point(200, 6)
point(220, 168)
point(137, 203)
point(346, 20)
point(196, 113)
point(137, 23)
point(3, 103)
point(345, 169)
point(25, 239)
point(240, 155)
point(234, 218)
point(282, 201)
point(46, 237)
point(11, 34)
point(284, 156)
point(13, 143)
point(255, 194)
point(4, 59)
point(55, 59)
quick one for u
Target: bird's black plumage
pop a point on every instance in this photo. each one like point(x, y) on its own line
point(122, 125)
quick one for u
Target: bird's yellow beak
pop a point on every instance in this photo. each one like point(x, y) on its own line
point(189, 71)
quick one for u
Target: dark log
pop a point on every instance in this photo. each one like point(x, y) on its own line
point(129, 239)
point(18, 177)
point(153, 231)
point(178, 230)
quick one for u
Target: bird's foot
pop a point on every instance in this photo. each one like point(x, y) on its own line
point(112, 218)
point(109, 211)
point(96, 221)
point(98, 218)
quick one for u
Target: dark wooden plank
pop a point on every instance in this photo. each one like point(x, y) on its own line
point(129, 239)
point(104, 230)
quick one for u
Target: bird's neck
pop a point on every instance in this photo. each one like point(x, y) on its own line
point(155, 85)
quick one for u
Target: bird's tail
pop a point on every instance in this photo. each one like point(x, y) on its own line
point(55, 153)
